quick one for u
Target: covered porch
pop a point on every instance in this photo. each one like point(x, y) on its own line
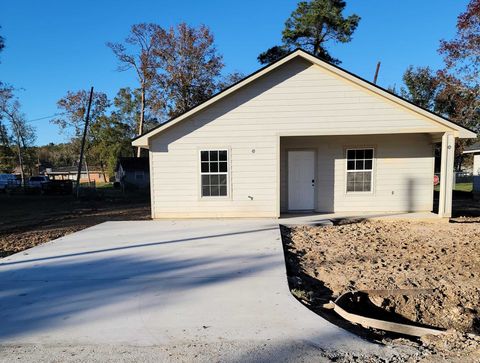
point(377, 175)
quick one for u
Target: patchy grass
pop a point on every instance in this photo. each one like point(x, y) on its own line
point(104, 185)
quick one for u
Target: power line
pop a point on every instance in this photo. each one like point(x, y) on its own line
point(46, 117)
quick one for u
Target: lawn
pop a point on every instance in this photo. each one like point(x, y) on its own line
point(461, 187)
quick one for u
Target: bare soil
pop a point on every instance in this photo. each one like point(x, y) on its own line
point(324, 262)
point(29, 220)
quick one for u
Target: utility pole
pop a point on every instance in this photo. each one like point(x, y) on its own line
point(79, 172)
point(376, 73)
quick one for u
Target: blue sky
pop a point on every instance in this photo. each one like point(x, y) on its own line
point(57, 45)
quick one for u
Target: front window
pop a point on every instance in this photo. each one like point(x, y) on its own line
point(214, 173)
point(359, 170)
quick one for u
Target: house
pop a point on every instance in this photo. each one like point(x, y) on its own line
point(133, 171)
point(94, 174)
point(300, 135)
point(475, 150)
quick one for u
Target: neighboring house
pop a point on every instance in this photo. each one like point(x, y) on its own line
point(42, 166)
point(300, 135)
point(134, 171)
point(475, 150)
point(70, 173)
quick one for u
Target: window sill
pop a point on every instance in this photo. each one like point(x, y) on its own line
point(216, 198)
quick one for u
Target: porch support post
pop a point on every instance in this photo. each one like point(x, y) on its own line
point(446, 175)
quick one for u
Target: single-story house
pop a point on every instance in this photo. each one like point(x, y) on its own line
point(134, 171)
point(93, 174)
point(300, 135)
point(475, 150)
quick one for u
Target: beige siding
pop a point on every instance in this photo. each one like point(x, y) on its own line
point(476, 164)
point(402, 176)
point(296, 99)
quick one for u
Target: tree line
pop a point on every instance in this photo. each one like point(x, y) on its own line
point(179, 67)
point(454, 90)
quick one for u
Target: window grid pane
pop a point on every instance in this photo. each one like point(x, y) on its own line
point(214, 173)
point(359, 170)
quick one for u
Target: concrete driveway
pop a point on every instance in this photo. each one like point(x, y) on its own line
point(184, 287)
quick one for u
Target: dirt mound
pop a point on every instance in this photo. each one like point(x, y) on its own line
point(444, 257)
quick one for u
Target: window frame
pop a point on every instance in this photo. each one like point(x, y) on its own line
point(372, 170)
point(200, 174)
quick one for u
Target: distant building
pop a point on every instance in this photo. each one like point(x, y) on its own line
point(133, 171)
point(475, 151)
point(70, 173)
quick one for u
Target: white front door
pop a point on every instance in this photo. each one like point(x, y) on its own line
point(301, 180)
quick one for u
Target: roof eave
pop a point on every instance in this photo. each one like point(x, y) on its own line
point(466, 134)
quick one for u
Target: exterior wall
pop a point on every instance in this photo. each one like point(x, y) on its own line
point(402, 175)
point(476, 175)
point(476, 164)
point(130, 177)
point(295, 99)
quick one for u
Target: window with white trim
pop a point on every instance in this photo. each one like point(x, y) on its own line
point(214, 173)
point(359, 170)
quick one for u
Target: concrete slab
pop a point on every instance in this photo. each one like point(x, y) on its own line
point(160, 283)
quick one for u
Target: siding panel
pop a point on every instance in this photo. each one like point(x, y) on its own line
point(295, 99)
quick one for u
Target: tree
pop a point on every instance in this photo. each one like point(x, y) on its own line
point(2, 42)
point(454, 91)
point(229, 80)
point(63, 154)
point(273, 54)
point(22, 134)
point(127, 104)
point(460, 98)
point(137, 52)
point(190, 67)
point(111, 140)
point(311, 26)
point(7, 156)
point(74, 108)
point(422, 87)
point(462, 54)
point(461, 73)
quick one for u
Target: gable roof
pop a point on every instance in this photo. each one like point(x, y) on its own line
point(474, 148)
point(461, 131)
